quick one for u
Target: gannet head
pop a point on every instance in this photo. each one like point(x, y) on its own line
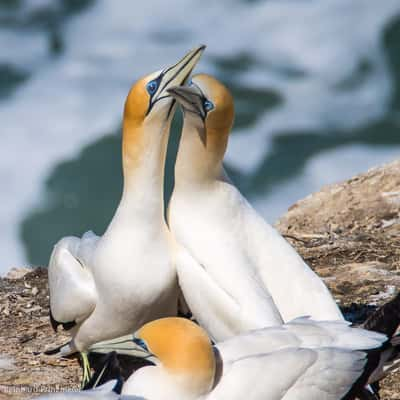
point(208, 110)
point(149, 107)
point(183, 350)
point(149, 97)
point(208, 102)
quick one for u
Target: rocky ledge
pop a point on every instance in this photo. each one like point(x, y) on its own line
point(348, 233)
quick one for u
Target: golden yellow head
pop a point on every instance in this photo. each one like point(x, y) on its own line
point(138, 100)
point(208, 110)
point(149, 95)
point(149, 107)
point(208, 100)
point(183, 349)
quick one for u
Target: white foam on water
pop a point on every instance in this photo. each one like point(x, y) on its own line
point(72, 100)
point(35, 48)
point(22, 45)
point(325, 168)
point(324, 44)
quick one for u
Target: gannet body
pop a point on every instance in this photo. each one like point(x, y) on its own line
point(103, 287)
point(236, 271)
point(303, 359)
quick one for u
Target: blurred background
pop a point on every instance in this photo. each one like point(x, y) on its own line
point(316, 84)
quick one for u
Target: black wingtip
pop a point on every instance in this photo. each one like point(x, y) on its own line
point(66, 325)
point(359, 389)
point(118, 386)
point(368, 394)
point(53, 322)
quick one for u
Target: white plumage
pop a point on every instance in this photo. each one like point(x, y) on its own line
point(110, 285)
point(236, 271)
point(303, 359)
point(73, 294)
point(301, 332)
point(291, 374)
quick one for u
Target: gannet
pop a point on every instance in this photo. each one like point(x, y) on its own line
point(303, 359)
point(236, 271)
point(103, 287)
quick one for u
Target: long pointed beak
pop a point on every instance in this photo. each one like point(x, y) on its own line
point(190, 98)
point(123, 345)
point(178, 73)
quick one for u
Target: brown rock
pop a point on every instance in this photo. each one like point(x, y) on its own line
point(349, 233)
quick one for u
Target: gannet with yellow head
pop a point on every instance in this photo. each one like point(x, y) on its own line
point(235, 270)
point(303, 359)
point(103, 287)
point(185, 357)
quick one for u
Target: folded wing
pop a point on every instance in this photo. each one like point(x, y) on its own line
point(301, 332)
point(291, 374)
point(72, 289)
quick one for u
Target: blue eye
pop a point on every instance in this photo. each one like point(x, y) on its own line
point(208, 105)
point(190, 83)
point(152, 87)
point(141, 343)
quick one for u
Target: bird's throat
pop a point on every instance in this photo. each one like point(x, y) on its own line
point(143, 158)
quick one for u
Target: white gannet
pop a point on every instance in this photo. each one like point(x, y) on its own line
point(303, 359)
point(236, 271)
point(103, 287)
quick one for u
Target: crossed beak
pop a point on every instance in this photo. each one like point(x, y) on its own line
point(190, 98)
point(177, 74)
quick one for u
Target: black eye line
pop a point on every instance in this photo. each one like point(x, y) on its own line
point(181, 68)
point(199, 89)
point(171, 107)
point(151, 104)
point(141, 343)
point(203, 99)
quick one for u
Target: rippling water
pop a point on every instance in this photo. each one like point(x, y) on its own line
point(316, 85)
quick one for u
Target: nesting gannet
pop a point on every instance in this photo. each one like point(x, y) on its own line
point(235, 270)
point(103, 287)
point(303, 359)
